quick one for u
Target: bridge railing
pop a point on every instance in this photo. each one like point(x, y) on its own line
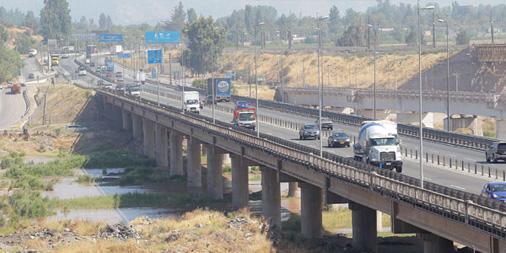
point(476, 211)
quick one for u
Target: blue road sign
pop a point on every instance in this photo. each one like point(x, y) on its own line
point(110, 38)
point(155, 56)
point(124, 55)
point(163, 37)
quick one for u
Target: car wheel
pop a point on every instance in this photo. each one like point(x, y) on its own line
point(398, 169)
point(488, 159)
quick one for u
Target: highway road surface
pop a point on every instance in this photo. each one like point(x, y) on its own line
point(12, 108)
point(411, 168)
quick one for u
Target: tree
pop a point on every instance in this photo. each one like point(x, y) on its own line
point(102, 22)
point(4, 35)
point(30, 21)
point(206, 41)
point(178, 17)
point(334, 22)
point(10, 63)
point(24, 43)
point(462, 38)
point(55, 19)
point(191, 15)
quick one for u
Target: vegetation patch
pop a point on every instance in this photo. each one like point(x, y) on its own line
point(117, 159)
point(155, 200)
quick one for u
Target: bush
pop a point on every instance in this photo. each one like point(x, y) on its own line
point(201, 84)
point(118, 159)
point(28, 204)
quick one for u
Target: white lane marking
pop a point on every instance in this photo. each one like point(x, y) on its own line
point(457, 187)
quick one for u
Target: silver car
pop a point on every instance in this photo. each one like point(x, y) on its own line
point(309, 131)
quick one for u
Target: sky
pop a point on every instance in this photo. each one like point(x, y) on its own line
point(152, 11)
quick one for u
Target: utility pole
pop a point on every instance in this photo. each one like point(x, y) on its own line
point(434, 28)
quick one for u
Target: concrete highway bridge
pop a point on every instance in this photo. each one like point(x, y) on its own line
point(439, 215)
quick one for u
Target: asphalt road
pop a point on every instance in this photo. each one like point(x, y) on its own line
point(411, 168)
point(12, 108)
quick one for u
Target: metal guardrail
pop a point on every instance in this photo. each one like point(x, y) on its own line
point(456, 139)
point(479, 212)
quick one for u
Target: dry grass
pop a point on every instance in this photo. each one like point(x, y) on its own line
point(264, 91)
point(64, 104)
point(339, 71)
point(104, 246)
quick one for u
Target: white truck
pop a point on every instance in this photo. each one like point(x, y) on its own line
point(191, 101)
point(378, 144)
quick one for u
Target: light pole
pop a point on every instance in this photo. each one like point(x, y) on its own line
point(448, 120)
point(431, 7)
point(376, 28)
point(320, 83)
point(492, 30)
point(260, 25)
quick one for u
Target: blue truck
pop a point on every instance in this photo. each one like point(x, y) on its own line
point(222, 89)
point(109, 64)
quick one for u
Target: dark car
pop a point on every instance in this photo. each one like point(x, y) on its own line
point(327, 124)
point(338, 139)
point(120, 88)
point(31, 76)
point(310, 130)
point(496, 152)
point(495, 190)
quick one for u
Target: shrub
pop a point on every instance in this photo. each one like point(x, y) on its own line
point(29, 204)
point(117, 159)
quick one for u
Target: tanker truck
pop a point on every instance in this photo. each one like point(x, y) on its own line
point(378, 145)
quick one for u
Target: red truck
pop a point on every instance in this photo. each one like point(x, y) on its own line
point(245, 116)
point(15, 88)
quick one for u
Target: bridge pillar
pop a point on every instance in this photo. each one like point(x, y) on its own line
point(176, 154)
point(311, 211)
point(470, 122)
point(271, 197)
point(161, 150)
point(215, 172)
point(240, 185)
point(293, 190)
point(127, 121)
point(435, 244)
point(364, 228)
point(194, 168)
point(412, 118)
point(148, 127)
point(136, 127)
point(500, 129)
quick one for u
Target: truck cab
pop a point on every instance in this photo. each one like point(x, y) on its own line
point(191, 101)
point(244, 115)
point(378, 145)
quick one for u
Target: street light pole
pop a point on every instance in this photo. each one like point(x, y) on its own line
point(256, 83)
point(448, 119)
point(420, 87)
point(374, 64)
point(320, 83)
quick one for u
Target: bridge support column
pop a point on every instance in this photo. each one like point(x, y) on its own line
point(161, 151)
point(271, 197)
point(293, 190)
point(412, 118)
point(364, 228)
point(240, 189)
point(214, 172)
point(148, 127)
point(176, 154)
point(436, 244)
point(117, 117)
point(311, 211)
point(136, 127)
point(500, 129)
point(127, 121)
point(194, 168)
point(471, 122)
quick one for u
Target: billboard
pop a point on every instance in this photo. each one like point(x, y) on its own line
point(124, 55)
point(163, 37)
point(110, 38)
point(155, 56)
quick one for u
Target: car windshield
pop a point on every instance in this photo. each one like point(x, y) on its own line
point(192, 101)
point(340, 135)
point(501, 146)
point(246, 116)
point(383, 142)
point(497, 187)
point(308, 127)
